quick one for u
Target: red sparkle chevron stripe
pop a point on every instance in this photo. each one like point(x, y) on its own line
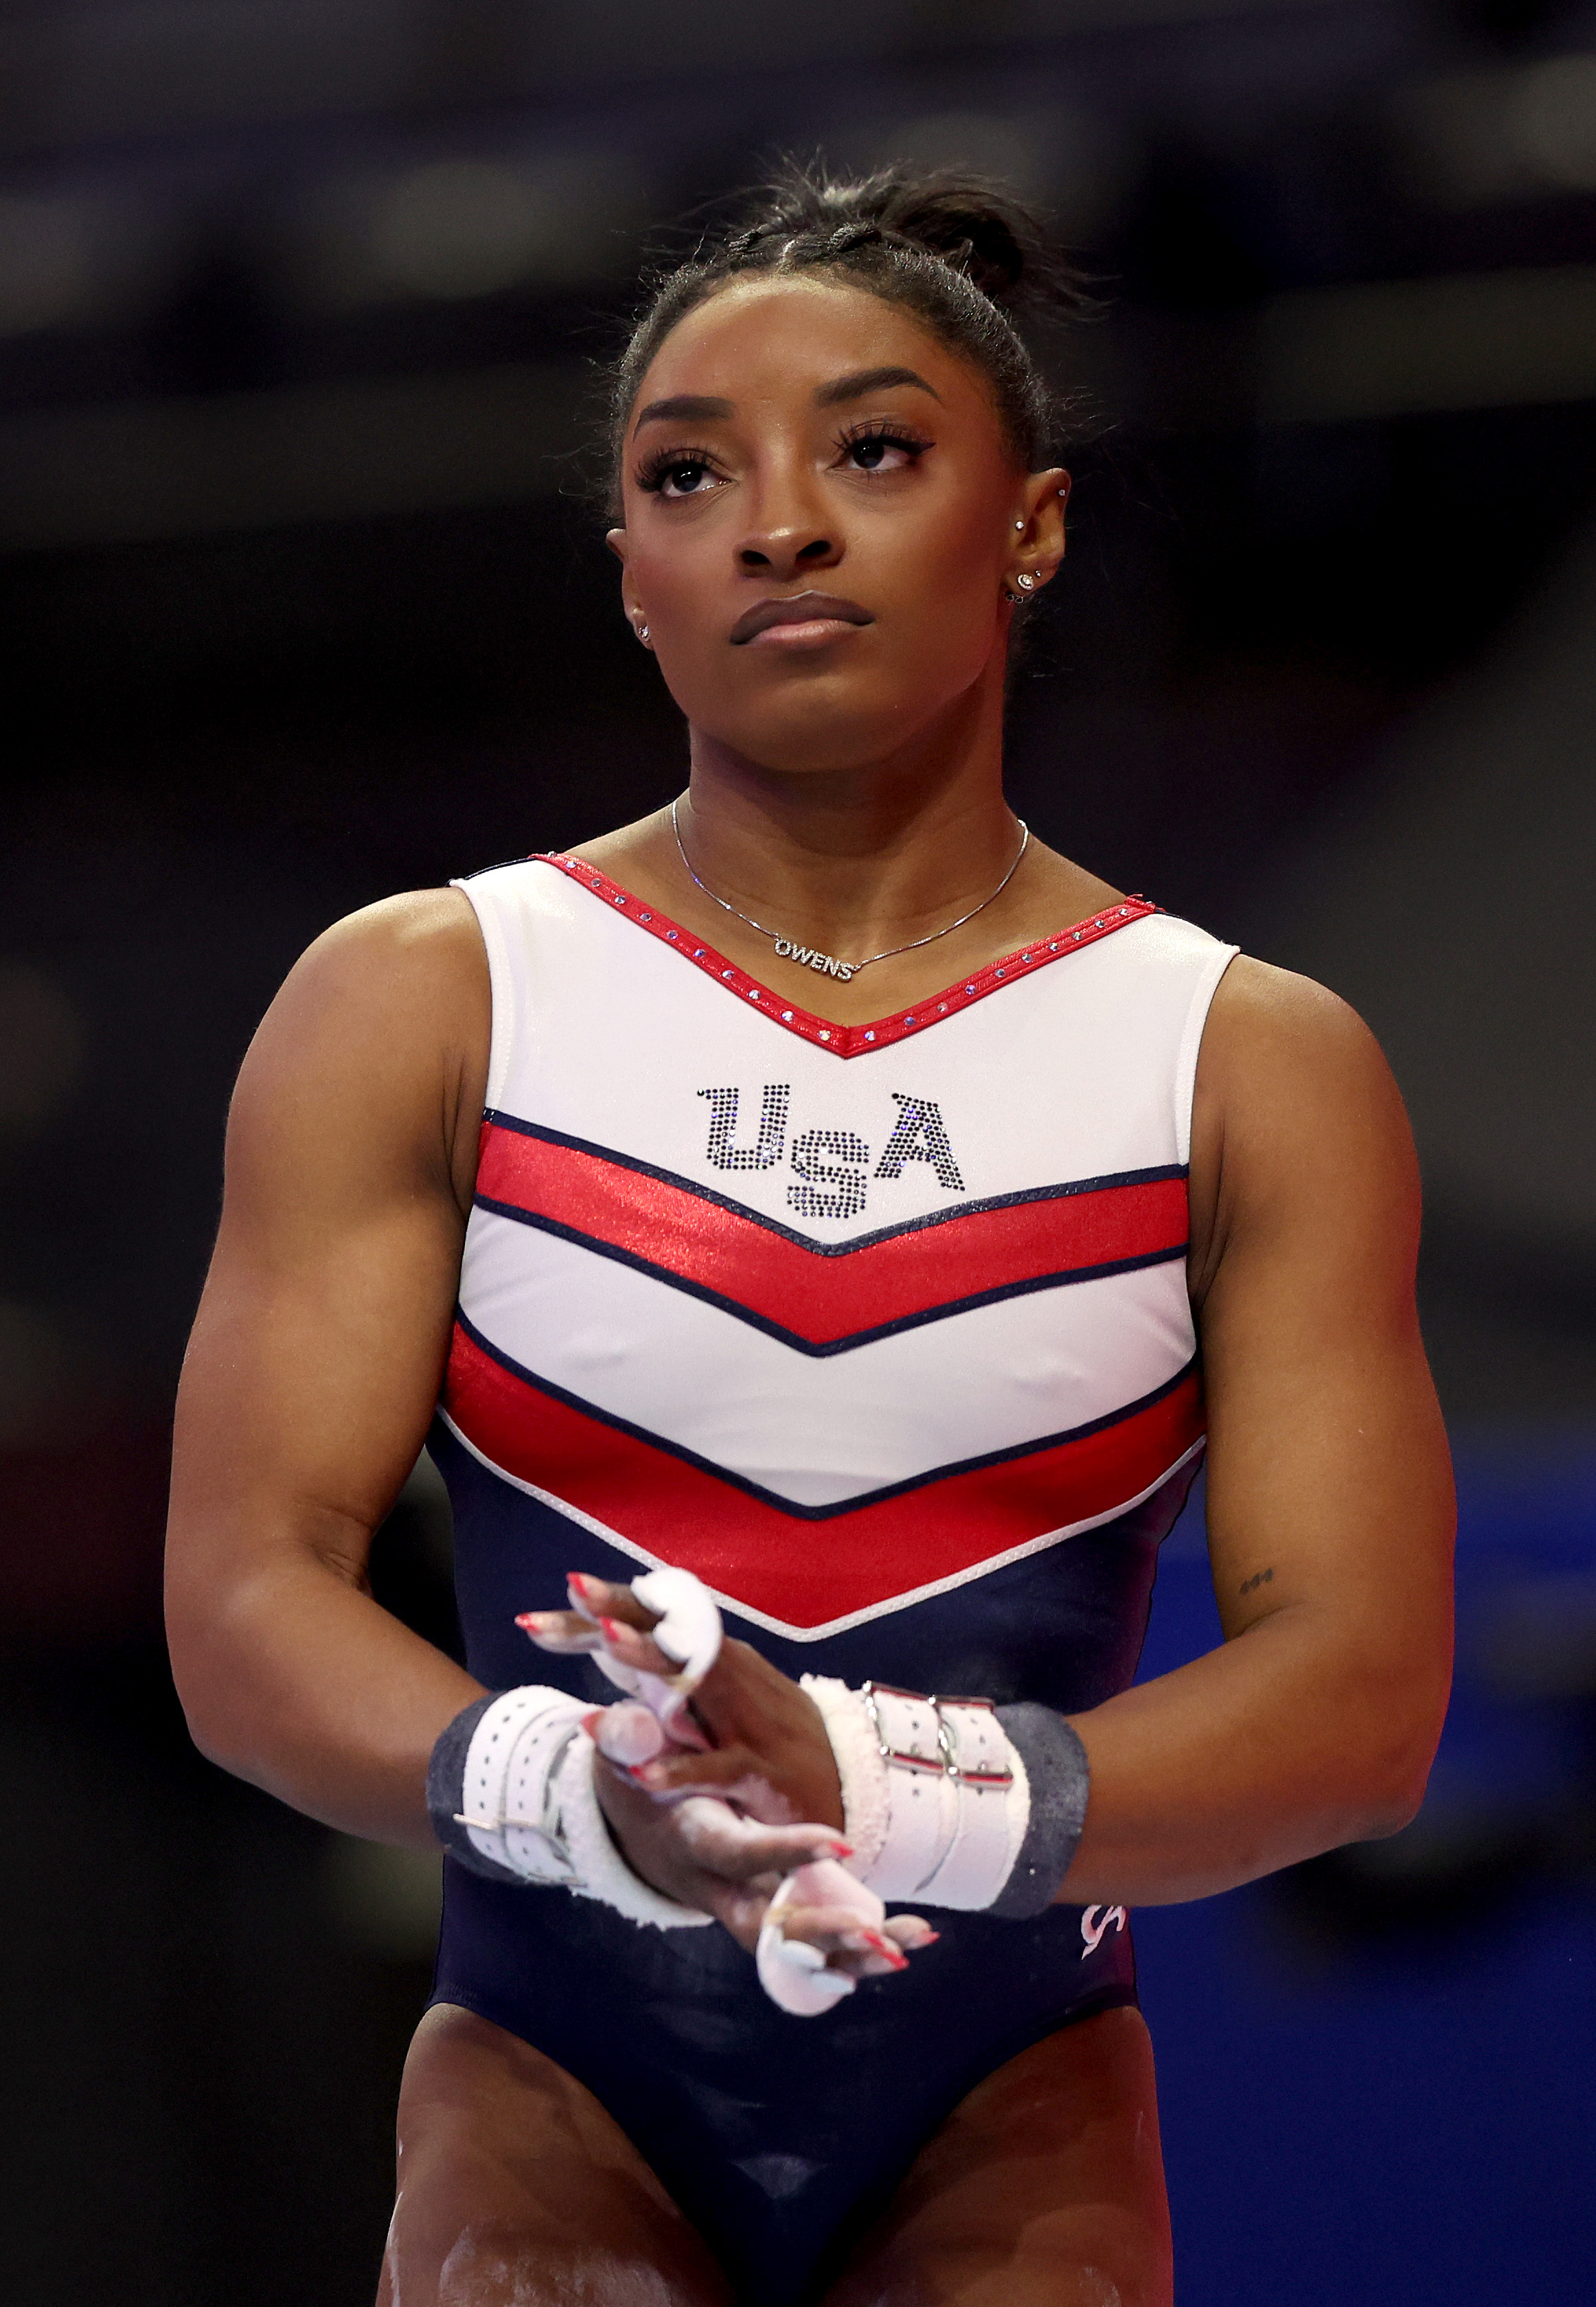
point(819, 1297)
point(802, 1570)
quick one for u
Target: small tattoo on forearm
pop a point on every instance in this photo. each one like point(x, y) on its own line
point(1260, 1578)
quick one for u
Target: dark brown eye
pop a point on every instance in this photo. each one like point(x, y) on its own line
point(678, 472)
point(877, 449)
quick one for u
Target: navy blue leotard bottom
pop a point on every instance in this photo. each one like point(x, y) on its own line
point(782, 2138)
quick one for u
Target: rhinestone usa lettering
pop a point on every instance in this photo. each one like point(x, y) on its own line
point(766, 1149)
point(847, 1173)
point(919, 1135)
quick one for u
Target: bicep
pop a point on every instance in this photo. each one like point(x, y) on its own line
point(1329, 1486)
point(317, 1352)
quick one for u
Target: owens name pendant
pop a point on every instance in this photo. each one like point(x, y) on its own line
point(809, 957)
point(827, 964)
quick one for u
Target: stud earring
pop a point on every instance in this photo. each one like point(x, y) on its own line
point(1023, 582)
point(643, 632)
point(1020, 525)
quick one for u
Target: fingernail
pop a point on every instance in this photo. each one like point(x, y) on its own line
point(650, 1774)
point(887, 1949)
point(612, 1629)
point(533, 1621)
point(840, 1850)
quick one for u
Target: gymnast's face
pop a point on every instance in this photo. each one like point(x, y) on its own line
point(820, 519)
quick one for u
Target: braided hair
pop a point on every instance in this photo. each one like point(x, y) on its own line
point(959, 251)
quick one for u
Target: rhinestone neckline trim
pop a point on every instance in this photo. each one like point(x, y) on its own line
point(881, 1032)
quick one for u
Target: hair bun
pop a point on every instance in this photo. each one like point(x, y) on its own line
point(972, 223)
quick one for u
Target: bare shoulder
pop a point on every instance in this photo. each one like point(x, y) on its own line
point(1296, 1115)
point(1269, 1029)
point(423, 938)
point(413, 964)
point(383, 1025)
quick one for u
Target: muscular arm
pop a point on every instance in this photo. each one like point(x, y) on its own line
point(1330, 1507)
point(315, 1363)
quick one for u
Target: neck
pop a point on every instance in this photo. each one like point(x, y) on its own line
point(851, 860)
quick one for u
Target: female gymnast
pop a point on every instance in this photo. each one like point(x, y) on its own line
point(825, 1190)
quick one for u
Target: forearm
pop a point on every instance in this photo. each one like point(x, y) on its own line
point(1294, 1738)
point(297, 1681)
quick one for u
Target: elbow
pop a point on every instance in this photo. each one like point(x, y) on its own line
point(205, 1716)
point(1393, 1793)
point(207, 1686)
point(1388, 1817)
point(1401, 1716)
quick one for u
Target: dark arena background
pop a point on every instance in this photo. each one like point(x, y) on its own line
point(305, 601)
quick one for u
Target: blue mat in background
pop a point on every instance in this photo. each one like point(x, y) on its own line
point(1399, 2116)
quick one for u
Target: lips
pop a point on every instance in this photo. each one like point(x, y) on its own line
point(798, 609)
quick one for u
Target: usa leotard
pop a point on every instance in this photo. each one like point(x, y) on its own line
point(883, 1331)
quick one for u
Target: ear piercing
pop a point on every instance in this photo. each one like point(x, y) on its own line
point(643, 632)
point(1020, 525)
point(1024, 582)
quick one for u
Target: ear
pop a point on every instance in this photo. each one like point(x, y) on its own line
point(1037, 539)
point(616, 538)
point(1047, 494)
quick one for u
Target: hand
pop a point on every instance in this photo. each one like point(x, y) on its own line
point(767, 1748)
point(671, 1806)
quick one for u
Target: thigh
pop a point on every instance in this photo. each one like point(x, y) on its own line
point(516, 2189)
point(1045, 2188)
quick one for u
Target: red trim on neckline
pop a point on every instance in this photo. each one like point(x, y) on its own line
point(849, 1041)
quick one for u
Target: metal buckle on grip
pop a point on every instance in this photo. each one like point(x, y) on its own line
point(892, 1754)
point(949, 1755)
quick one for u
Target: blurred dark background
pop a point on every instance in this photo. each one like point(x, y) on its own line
point(304, 601)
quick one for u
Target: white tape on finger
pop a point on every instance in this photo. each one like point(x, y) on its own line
point(795, 1975)
point(689, 1631)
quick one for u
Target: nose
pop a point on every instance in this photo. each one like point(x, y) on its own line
point(788, 534)
point(787, 551)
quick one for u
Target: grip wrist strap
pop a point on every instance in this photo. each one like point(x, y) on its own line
point(953, 1802)
point(510, 1794)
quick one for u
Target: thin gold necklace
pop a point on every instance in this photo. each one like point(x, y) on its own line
point(809, 956)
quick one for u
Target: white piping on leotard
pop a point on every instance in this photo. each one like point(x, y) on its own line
point(873, 1610)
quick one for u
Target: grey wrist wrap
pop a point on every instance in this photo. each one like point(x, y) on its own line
point(1056, 1766)
point(445, 1785)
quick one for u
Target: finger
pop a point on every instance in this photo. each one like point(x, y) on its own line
point(626, 1733)
point(717, 1838)
point(911, 1932)
point(598, 1598)
point(635, 1649)
point(560, 1629)
point(717, 1770)
point(836, 1930)
point(739, 1908)
point(790, 1977)
point(863, 1966)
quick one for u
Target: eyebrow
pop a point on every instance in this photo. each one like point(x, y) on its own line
point(864, 382)
point(684, 408)
point(705, 408)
